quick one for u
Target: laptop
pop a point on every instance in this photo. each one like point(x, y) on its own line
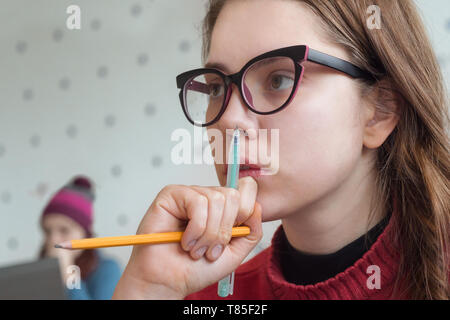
point(32, 281)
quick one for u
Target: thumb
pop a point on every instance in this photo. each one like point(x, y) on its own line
point(240, 247)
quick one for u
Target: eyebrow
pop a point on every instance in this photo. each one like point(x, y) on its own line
point(217, 65)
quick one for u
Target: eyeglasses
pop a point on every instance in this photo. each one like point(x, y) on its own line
point(267, 83)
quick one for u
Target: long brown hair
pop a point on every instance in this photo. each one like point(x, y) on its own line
point(413, 164)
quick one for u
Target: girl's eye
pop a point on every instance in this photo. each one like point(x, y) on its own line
point(280, 82)
point(216, 90)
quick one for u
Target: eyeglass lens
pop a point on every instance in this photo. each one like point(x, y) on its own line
point(267, 85)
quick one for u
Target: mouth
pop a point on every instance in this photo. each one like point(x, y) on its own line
point(252, 170)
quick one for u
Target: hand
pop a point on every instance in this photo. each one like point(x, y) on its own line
point(65, 257)
point(175, 270)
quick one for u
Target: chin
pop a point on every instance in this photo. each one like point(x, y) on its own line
point(272, 209)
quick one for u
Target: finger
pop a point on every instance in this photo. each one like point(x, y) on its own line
point(248, 188)
point(240, 247)
point(230, 212)
point(216, 204)
point(173, 206)
point(198, 216)
point(254, 222)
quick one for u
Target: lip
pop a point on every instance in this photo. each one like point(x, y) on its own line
point(252, 172)
point(247, 169)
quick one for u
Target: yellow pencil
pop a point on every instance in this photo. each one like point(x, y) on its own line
point(152, 238)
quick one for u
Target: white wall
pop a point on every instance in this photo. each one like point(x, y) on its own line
point(102, 101)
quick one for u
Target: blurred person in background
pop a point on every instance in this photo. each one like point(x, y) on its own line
point(69, 216)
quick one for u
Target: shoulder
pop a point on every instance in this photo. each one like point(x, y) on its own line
point(249, 280)
point(108, 262)
point(107, 265)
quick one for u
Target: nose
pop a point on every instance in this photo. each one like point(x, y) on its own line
point(246, 92)
point(236, 112)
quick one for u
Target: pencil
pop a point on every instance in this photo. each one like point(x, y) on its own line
point(152, 238)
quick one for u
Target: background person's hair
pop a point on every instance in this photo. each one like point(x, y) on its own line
point(413, 164)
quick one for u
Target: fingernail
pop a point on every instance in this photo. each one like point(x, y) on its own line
point(216, 251)
point(191, 244)
point(200, 252)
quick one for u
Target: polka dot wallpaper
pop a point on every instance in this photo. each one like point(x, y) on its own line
point(102, 101)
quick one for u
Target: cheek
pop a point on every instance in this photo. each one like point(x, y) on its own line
point(326, 139)
point(320, 142)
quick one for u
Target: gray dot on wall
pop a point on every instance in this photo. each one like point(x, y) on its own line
point(184, 46)
point(2, 150)
point(142, 59)
point(122, 220)
point(150, 109)
point(27, 94)
point(35, 141)
point(136, 10)
point(110, 120)
point(64, 83)
point(95, 24)
point(116, 171)
point(21, 46)
point(157, 161)
point(57, 35)
point(6, 197)
point(12, 243)
point(41, 189)
point(102, 72)
point(71, 131)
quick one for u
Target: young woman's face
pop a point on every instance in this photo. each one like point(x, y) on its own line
point(320, 132)
point(59, 228)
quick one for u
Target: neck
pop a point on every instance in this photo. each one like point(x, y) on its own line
point(336, 219)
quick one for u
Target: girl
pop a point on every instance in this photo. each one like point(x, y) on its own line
point(362, 188)
point(67, 216)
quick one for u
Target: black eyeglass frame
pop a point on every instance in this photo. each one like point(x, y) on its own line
point(298, 53)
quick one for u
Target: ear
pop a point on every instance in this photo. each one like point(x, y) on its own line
point(382, 114)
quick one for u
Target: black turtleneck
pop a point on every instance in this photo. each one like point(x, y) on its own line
point(303, 269)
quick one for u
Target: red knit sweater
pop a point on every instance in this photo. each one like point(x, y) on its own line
point(261, 277)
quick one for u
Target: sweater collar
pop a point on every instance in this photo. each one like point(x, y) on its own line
point(349, 284)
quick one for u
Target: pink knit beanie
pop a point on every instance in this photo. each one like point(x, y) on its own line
point(74, 201)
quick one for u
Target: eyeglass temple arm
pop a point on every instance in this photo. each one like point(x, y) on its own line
point(337, 64)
